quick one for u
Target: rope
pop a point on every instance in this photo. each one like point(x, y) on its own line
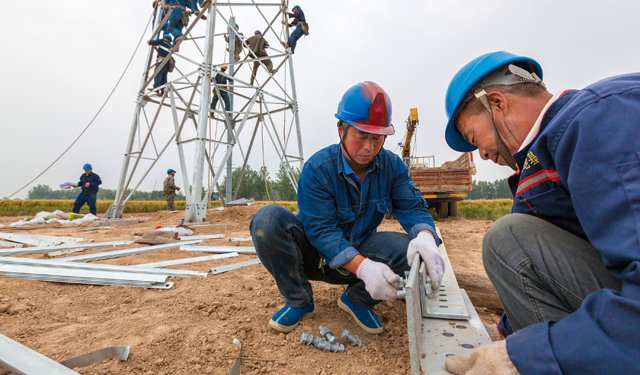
point(94, 117)
point(264, 168)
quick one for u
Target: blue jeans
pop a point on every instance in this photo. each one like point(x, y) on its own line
point(83, 198)
point(175, 23)
point(225, 99)
point(161, 78)
point(285, 251)
point(293, 38)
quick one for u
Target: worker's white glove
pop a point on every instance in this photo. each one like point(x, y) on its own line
point(379, 280)
point(491, 359)
point(425, 245)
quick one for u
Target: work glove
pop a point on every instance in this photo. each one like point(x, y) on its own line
point(491, 359)
point(425, 245)
point(379, 280)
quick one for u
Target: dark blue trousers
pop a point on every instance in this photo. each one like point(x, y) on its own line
point(161, 77)
point(225, 99)
point(285, 251)
point(293, 38)
point(83, 198)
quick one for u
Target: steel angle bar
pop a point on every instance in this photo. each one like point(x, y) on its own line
point(56, 238)
point(169, 263)
point(441, 339)
point(29, 240)
point(117, 352)
point(123, 253)
point(46, 249)
point(239, 239)
point(21, 360)
point(414, 315)
point(221, 249)
point(95, 267)
point(74, 276)
point(202, 237)
point(447, 303)
point(10, 244)
point(234, 266)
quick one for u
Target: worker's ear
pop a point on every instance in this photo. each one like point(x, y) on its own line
point(499, 102)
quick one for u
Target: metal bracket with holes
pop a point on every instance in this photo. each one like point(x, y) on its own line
point(432, 336)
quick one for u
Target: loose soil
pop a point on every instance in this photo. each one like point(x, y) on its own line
point(189, 328)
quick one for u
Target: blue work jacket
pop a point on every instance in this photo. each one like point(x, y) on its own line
point(93, 180)
point(581, 172)
point(337, 216)
point(162, 52)
point(297, 17)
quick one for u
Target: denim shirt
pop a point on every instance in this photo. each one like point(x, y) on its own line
point(338, 217)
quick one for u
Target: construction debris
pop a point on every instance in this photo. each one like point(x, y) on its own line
point(157, 237)
point(118, 352)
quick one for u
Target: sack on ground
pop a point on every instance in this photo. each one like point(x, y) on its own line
point(305, 28)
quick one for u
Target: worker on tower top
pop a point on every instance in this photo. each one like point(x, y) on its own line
point(89, 182)
point(238, 42)
point(164, 45)
point(566, 261)
point(258, 45)
point(343, 194)
point(301, 27)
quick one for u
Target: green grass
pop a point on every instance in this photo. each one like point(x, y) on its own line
point(482, 209)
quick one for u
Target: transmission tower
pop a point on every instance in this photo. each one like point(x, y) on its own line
point(182, 115)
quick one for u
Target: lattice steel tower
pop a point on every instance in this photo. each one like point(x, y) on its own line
point(187, 97)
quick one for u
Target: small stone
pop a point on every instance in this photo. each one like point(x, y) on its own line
point(205, 313)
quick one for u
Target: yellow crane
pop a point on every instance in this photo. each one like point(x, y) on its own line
point(412, 122)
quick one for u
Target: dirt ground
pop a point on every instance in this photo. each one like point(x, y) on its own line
point(189, 328)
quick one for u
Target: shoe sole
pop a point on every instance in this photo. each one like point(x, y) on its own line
point(286, 329)
point(373, 331)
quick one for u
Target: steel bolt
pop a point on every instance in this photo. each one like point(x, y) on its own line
point(328, 334)
point(326, 347)
point(354, 340)
point(309, 340)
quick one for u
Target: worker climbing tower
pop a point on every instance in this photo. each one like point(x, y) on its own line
point(179, 112)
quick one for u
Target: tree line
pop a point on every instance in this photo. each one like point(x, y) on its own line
point(490, 190)
point(255, 184)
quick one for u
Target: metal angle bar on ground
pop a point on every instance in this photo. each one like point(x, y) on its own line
point(29, 240)
point(441, 339)
point(169, 263)
point(123, 253)
point(221, 249)
point(447, 303)
point(73, 276)
point(55, 238)
point(46, 249)
point(414, 315)
point(118, 352)
point(21, 360)
point(10, 244)
point(202, 237)
point(95, 267)
point(234, 266)
point(238, 239)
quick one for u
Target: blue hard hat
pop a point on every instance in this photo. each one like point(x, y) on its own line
point(237, 25)
point(258, 32)
point(466, 78)
point(367, 107)
point(169, 36)
point(170, 170)
point(297, 6)
point(86, 167)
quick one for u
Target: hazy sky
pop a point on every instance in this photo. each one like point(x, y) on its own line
point(62, 59)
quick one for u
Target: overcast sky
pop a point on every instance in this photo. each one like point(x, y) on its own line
point(62, 58)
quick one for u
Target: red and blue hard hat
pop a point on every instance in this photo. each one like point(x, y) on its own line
point(367, 107)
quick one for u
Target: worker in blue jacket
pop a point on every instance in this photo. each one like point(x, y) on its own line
point(298, 21)
point(164, 45)
point(566, 261)
point(343, 194)
point(89, 183)
point(222, 83)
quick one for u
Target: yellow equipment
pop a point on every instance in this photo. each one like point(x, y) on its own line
point(412, 122)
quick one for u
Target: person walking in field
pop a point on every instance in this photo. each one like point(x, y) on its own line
point(89, 183)
point(169, 188)
point(566, 261)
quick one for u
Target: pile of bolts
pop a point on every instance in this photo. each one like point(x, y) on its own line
point(331, 343)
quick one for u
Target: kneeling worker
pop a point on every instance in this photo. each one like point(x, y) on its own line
point(343, 194)
point(566, 262)
point(89, 183)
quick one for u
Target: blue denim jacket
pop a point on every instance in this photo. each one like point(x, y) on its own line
point(94, 181)
point(337, 216)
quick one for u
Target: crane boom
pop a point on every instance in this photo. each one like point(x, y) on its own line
point(412, 122)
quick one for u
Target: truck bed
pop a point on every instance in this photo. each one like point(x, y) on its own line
point(451, 177)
